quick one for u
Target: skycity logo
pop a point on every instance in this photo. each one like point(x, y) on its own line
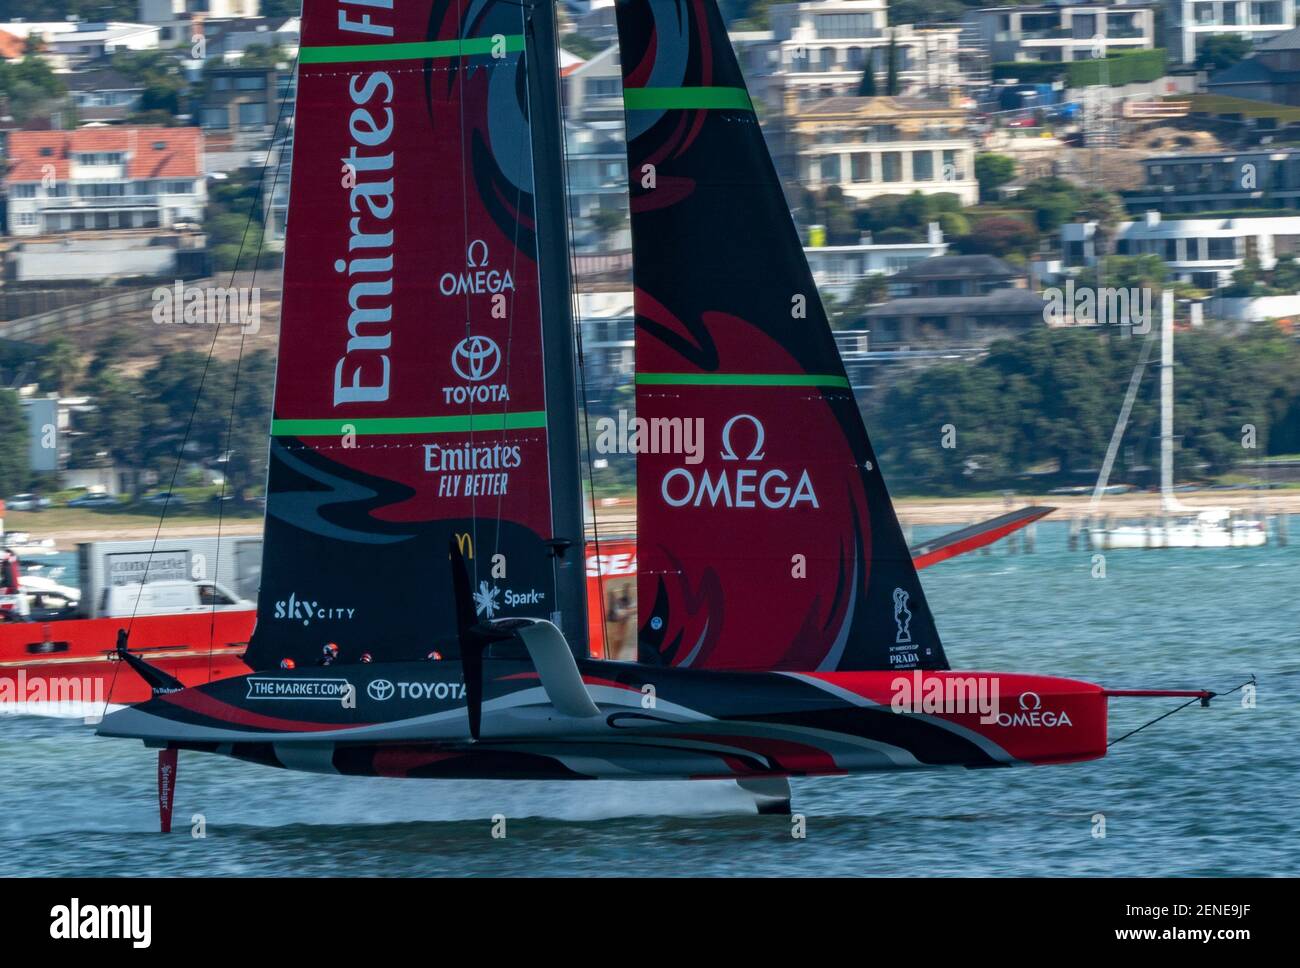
point(952, 695)
point(478, 278)
point(300, 610)
point(102, 922)
point(743, 487)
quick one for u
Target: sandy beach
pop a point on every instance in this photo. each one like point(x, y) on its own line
point(619, 517)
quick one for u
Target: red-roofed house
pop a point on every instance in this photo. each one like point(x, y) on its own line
point(104, 178)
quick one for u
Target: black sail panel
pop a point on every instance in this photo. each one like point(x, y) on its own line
point(772, 543)
point(412, 402)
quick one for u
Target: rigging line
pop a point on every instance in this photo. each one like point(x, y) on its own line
point(1195, 699)
point(189, 425)
point(576, 299)
point(462, 77)
point(526, 23)
point(243, 334)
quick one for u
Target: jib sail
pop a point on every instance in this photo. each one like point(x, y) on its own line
point(411, 400)
point(766, 537)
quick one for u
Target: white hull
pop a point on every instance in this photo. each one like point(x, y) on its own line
point(1177, 536)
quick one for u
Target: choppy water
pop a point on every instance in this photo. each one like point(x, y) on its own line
point(1206, 792)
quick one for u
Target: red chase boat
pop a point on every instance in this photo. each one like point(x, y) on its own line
point(67, 667)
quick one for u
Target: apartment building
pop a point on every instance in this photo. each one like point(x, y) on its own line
point(1189, 22)
point(1203, 252)
point(872, 146)
point(1218, 182)
point(819, 49)
point(1064, 32)
point(94, 179)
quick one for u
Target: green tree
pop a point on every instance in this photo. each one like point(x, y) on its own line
point(992, 171)
point(850, 312)
point(31, 87)
point(1054, 201)
point(15, 469)
point(1107, 211)
point(165, 85)
point(891, 67)
point(60, 366)
point(1219, 51)
point(867, 86)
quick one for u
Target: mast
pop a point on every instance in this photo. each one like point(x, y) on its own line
point(1167, 500)
point(550, 201)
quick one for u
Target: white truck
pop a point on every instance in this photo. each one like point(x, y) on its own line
point(178, 575)
point(168, 598)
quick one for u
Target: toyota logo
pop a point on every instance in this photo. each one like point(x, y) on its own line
point(1030, 701)
point(380, 690)
point(475, 358)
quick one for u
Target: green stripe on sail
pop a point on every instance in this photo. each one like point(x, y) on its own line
point(418, 50)
point(742, 379)
point(681, 98)
point(372, 426)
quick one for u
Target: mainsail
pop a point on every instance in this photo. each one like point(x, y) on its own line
point(776, 546)
point(417, 338)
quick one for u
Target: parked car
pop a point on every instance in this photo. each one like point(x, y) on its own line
point(164, 497)
point(27, 502)
point(93, 501)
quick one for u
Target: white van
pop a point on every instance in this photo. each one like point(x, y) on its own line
point(169, 598)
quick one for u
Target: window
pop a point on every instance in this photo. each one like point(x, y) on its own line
point(602, 87)
point(861, 165)
point(256, 82)
point(216, 118)
point(252, 115)
point(1222, 248)
point(830, 169)
point(891, 166)
point(845, 25)
point(922, 166)
point(27, 218)
point(24, 191)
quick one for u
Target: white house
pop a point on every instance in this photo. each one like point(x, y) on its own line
point(104, 178)
point(1201, 251)
point(1189, 22)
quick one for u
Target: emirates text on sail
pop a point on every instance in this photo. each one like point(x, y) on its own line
point(362, 374)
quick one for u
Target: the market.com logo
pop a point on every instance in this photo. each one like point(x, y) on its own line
point(102, 922)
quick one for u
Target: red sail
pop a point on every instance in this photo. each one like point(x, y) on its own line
point(766, 537)
point(410, 402)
